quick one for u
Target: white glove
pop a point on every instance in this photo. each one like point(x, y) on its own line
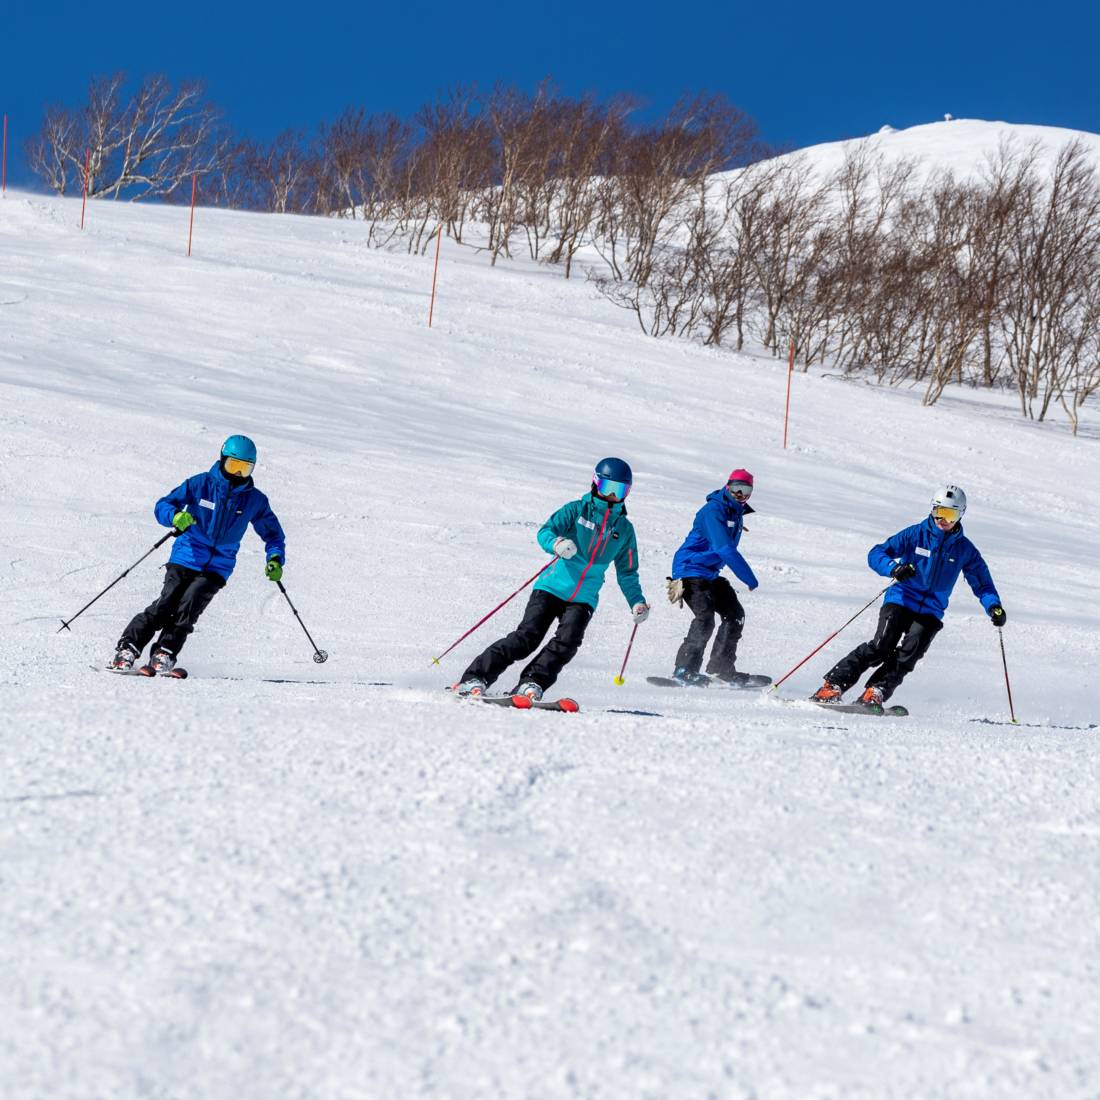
point(640, 611)
point(565, 548)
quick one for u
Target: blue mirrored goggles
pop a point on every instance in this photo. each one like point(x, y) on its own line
point(605, 487)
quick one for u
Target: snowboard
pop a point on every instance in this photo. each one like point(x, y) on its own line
point(751, 682)
point(877, 710)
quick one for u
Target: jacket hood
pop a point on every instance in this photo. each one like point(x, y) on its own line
point(724, 498)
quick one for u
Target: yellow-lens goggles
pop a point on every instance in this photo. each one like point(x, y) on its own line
point(238, 467)
point(945, 512)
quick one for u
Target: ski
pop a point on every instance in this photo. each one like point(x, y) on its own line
point(521, 702)
point(751, 682)
point(144, 670)
point(877, 710)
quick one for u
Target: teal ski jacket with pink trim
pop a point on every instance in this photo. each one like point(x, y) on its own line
point(603, 535)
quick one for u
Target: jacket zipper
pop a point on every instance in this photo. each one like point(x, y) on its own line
point(595, 551)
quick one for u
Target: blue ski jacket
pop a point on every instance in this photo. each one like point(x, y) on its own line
point(603, 535)
point(222, 514)
point(939, 557)
point(712, 541)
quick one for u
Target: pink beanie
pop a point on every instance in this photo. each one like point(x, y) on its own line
point(740, 475)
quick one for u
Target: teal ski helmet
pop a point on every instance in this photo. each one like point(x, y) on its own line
point(239, 446)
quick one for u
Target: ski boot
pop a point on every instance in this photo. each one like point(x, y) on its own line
point(827, 693)
point(162, 662)
point(690, 679)
point(124, 658)
point(871, 697)
point(530, 689)
point(473, 687)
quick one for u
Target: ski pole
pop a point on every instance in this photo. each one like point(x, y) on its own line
point(319, 655)
point(436, 660)
point(160, 542)
point(1008, 686)
point(629, 645)
point(830, 638)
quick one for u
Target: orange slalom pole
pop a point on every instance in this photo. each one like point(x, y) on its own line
point(84, 201)
point(191, 227)
point(435, 273)
point(787, 413)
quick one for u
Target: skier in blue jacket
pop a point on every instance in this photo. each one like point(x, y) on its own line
point(585, 536)
point(925, 561)
point(711, 544)
point(211, 512)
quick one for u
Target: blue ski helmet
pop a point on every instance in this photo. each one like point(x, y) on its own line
point(612, 479)
point(239, 446)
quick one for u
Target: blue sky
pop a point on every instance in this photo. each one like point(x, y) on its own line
point(805, 72)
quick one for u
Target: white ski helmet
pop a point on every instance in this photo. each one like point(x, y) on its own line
point(949, 497)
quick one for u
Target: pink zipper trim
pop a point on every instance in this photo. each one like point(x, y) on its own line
point(595, 551)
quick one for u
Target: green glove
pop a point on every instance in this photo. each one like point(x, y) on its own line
point(274, 569)
point(182, 520)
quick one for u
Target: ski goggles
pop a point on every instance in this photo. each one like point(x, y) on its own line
point(238, 467)
point(740, 490)
point(605, 487)
point(946, 512)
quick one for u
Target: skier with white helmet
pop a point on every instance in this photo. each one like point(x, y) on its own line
point(586, 536)
point(211, 511)
point(925, 561)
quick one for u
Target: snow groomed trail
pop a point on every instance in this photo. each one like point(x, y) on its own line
point(283, 879)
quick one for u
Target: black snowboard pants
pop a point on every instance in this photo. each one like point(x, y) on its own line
point(896, 624)
point(184, 597)
point(542, 610)
point(705, 598)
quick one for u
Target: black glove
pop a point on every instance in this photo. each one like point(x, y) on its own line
point(902, 572)
point(997, 614)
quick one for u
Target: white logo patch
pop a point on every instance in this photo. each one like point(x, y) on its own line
point(731, 523)
point(206, 504)
point(924, 553)
point(586, 523)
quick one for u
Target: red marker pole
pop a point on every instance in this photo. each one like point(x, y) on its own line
point(191, 228)
point(787, 413)
point(84, 201)
point(4, 161)
point(435, 273)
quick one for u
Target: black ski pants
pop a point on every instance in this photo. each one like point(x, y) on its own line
point(896, 624)
point(543, 608)
point(184, 597)
point(705, 598)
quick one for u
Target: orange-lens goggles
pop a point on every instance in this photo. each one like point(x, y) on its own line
point(238, 467)
point(943, 511)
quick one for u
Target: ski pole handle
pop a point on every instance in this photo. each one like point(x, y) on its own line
point(436, 660)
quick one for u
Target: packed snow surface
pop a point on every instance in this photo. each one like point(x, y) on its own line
point(277, 879)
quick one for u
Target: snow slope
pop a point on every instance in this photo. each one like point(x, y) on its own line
point(288, 883)
point(960, 146)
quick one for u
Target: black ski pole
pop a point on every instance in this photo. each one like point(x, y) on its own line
point(1004, 661)
point(160, 542)
point(829, 638)
point(319, 655)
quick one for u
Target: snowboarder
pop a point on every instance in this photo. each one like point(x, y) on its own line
point(925, 561)
point(586, 536)
point(712, 543)
point(211, 512)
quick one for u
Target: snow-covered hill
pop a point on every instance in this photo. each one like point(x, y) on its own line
point(961, 146)
point(275, 880)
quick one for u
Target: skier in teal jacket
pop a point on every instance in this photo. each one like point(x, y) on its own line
point(585, 536)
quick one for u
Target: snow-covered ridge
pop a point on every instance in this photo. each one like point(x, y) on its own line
point(287, 883)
